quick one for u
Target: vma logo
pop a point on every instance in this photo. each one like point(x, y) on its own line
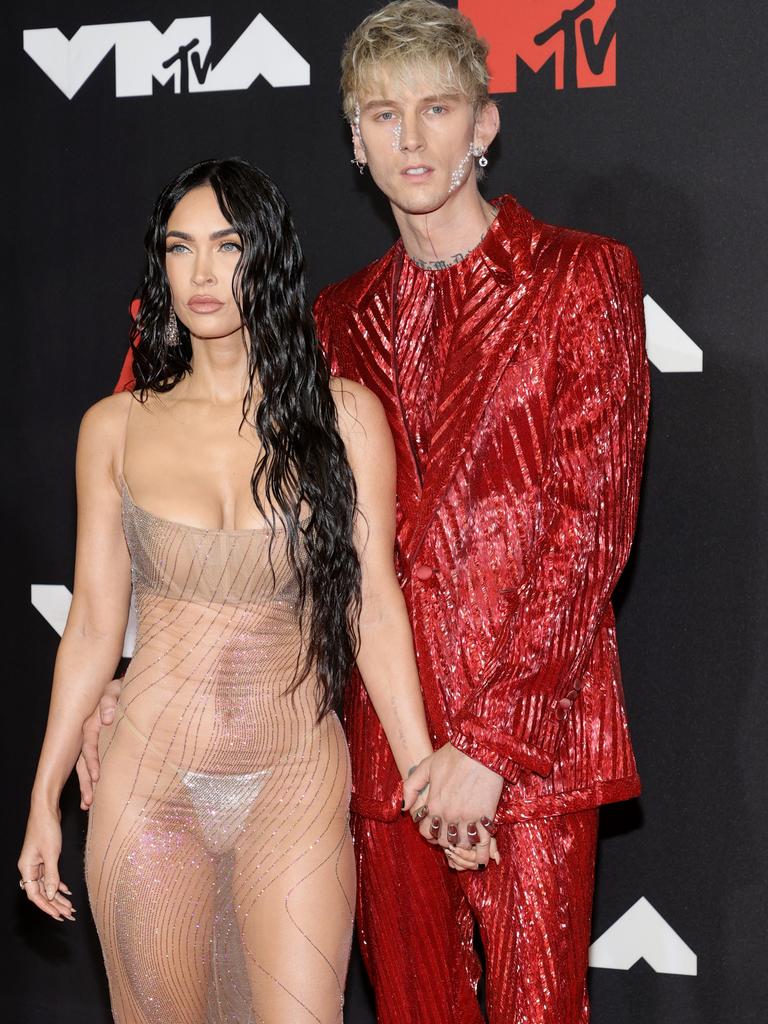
point(573, 45)
point(145, 55)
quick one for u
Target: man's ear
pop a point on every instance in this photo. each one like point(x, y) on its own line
point(357, 145)
point(487, 124)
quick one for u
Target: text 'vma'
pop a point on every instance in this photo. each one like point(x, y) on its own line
point(145, 55)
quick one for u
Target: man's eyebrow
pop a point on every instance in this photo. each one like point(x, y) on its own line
point(436, 98)
point(221, 233)
point(378, 103)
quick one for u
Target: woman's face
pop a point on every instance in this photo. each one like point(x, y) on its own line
point(201, 253)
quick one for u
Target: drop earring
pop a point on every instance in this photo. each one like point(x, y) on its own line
point(171, 333)
point(359, 164)
point(479, 153)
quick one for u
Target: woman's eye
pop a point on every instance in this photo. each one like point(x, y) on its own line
point(176, 247)
point(231, 247)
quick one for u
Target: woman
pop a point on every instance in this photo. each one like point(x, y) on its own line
point(249, 499)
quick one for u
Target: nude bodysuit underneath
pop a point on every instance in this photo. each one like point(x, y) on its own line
point(218, 861)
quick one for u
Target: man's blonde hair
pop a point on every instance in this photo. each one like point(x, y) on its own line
point(410, 36)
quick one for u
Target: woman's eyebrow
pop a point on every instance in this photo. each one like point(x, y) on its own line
point(190, 238)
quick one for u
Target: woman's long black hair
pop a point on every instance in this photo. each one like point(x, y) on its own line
point(303, 463)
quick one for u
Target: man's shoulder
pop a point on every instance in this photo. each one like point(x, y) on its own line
point(352, 290)
point(571, 248)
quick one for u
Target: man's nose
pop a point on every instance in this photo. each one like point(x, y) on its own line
point(411, 135)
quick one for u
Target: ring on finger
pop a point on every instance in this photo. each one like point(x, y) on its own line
point(25, 881)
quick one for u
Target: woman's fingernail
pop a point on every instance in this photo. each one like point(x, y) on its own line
point(481, 867)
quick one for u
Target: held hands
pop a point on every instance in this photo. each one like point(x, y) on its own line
point(452, 798)
point(87, 766)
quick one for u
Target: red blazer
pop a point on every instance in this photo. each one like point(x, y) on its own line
point(509, 552)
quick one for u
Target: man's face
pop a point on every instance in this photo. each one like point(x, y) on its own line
point(416, 140)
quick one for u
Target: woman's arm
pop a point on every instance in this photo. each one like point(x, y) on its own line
point(386, 659)
point(92, 641)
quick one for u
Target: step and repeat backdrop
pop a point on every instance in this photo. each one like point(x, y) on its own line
point(641, 120)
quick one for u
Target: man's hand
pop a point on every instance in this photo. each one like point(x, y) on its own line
point(87, 766)
point(461, 791)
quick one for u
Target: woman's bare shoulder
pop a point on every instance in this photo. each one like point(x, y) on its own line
point(105, 420)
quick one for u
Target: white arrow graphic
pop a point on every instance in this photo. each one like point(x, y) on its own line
point(53, 601)
point(643, 934)
point(669, 347)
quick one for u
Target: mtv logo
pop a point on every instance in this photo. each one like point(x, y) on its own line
point(145, 55)
point(53, 602)
point(575, 43)
point(642, 934)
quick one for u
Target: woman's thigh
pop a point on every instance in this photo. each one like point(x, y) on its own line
point(294, 890)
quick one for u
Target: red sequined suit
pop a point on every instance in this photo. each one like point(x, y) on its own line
point(516, 386)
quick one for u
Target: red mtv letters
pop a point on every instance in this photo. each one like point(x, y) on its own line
point(576, 40)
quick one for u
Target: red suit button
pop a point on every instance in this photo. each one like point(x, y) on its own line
point(423, 572)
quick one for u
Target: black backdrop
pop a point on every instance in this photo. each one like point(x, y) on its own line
point(670, 159)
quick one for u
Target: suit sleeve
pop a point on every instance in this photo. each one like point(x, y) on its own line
point(126, 381)
point(324, 321)
point(513, 719)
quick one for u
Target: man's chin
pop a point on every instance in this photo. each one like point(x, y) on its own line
point(419, 203)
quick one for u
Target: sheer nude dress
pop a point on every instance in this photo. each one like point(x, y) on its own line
point(218, 860)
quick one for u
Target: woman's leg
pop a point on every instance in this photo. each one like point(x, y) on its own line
point(293, 887)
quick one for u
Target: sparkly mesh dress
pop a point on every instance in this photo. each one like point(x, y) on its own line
point(218, 860)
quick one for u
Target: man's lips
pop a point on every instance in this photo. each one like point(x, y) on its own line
point(204, 304)
point(417, 172)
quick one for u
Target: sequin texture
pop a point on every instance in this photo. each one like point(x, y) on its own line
point(516, 522)
point(516, 386)
point(219, 861)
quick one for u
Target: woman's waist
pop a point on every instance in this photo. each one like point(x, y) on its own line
point(204, 737)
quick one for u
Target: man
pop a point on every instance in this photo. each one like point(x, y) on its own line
point(509, 355)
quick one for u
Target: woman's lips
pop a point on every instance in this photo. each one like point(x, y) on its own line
point(204, 304)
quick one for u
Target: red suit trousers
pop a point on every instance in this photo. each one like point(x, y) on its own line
point(416, 919)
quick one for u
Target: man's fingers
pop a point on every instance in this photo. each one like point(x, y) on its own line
point(86, 785)
point(90, 752)
point(415, 782)
point(107, 707)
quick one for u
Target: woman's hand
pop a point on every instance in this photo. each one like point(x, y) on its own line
point(476, 858)
point(39, 866)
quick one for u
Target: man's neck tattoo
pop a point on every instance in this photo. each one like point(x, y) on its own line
point(451, 261)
